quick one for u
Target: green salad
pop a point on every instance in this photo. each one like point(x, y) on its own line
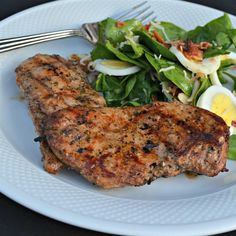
point(139, 64)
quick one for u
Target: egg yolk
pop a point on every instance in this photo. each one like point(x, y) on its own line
point(223, 106)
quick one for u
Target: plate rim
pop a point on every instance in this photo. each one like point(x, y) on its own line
point(99, 225)
point(32, 203)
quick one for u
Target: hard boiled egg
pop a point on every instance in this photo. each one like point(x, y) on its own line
point(115, 67)
point(220, 101)
point(206, 66)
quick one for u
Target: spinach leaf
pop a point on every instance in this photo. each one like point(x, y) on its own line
point(122, 56)
point(232, 148)
point(137, 51)
point(175, 74)
point(101, 52)
point(168, 30)
point(108, 30)
point(130, 52)
point(233, 77)
point(226, 64)
point(219, 32)
point(210, 31)
point(205, 84)
point(132, 48)
point(155, 46)
point(223, 42)
point(215, 51)
point(177, 77)
point(103, 84)
point(144, 89)
point(221, 77)
point(224, 70)
point(232, 34)
point(135, 90)
point(129, 86)
point(153, 62)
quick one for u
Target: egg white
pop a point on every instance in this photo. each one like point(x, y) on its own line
point(118, 69)
point(206, 66)
point(215, 79)
point(205, 100)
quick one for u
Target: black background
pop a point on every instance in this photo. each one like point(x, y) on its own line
point(17, 220)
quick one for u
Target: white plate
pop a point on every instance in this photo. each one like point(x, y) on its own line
point(172, 206)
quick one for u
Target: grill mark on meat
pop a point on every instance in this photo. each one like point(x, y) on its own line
point(51, 83)
point(101, 160)
point(174, 140)
point(196, 136)
point(42, 80)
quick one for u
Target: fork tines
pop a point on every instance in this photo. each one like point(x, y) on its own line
point(140, 12)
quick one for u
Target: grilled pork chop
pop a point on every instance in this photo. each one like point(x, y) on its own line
point(114, 147)
point(50, 83)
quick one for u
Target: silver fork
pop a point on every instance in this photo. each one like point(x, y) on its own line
point(88, 31)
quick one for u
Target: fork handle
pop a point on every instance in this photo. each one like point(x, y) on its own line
point(22, 41)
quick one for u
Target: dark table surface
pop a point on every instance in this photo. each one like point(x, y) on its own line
point(19, 221)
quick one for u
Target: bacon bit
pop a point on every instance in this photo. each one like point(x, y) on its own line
point(195, 54)
point(233, 123)
point(204, 45)
point(193, 51)
point(158, 37)
point(147, 27)
point(120, 24)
